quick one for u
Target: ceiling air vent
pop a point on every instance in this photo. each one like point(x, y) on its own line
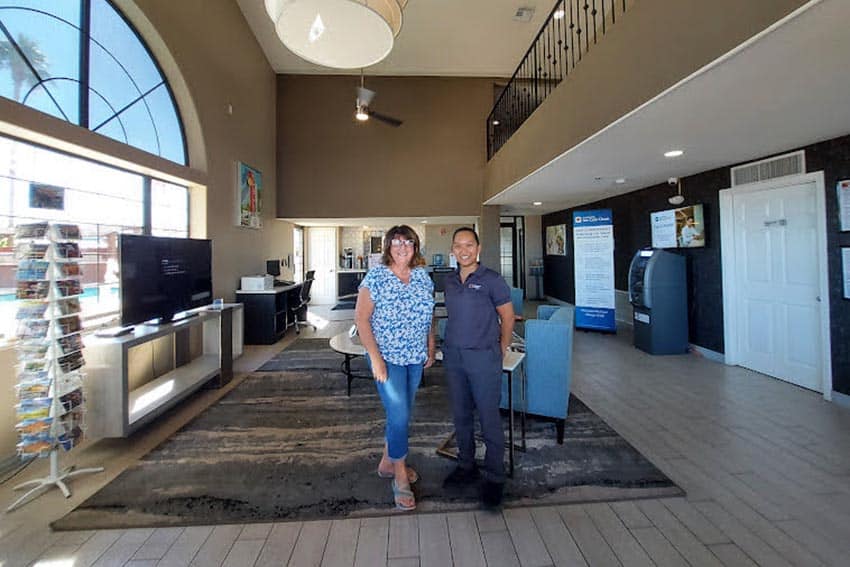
point(771, 168)
point(524, 14)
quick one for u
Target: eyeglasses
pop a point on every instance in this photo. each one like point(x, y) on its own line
point(398, 242)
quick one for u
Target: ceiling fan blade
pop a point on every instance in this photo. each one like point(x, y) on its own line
point(364, 96)
point(384, 118)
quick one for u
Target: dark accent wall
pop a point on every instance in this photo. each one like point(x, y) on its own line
point(705, 284)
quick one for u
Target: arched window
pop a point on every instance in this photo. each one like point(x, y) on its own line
point(81, 61)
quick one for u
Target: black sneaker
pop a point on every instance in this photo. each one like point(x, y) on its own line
point(461, 477)
point(491, 494)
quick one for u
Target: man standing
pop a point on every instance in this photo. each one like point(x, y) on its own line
point(478, 332)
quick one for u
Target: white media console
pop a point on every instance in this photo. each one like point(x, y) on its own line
point(131, 379)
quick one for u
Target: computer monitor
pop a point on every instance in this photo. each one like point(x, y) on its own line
point(273, 267)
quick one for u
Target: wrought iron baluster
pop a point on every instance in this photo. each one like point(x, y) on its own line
point(593, 13)
point(586, 24)
point(572, 34)
point(603, 16)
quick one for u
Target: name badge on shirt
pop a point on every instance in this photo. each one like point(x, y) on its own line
point(474, 286)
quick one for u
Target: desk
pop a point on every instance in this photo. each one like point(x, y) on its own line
point(512, 362)
point(268, 312)
point(345, 345)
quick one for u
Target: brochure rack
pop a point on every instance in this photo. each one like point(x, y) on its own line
point(50, 408)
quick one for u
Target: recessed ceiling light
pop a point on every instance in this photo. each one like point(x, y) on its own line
point(673, 153)
point(424, 221)
point(620, 180)
point(559, 13)
point(537, 203)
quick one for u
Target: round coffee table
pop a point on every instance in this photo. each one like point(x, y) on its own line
point(351, 348)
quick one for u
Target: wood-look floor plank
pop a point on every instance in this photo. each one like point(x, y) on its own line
point(741, 536)
point(499, 550)
point(186, 546)
point(124, 548)
point(625, 546)
point(156, 545)
point(731, 555)
point(256, 531)
point(526, 539)
point(699, 525)
point(559, 542)
point(434, 547)
point(630, 515)
point(404, 537)
point(832, 551)
point(403, 562)
point(490, 521)
point(141, 563)
point(685, 542)
point(96, 546)
point(372, 542)
point(59, 554)
point(593, 546)
point(243, 553)
point(279, 544)
point(659, 549)
point(217, 546)
point(310, 544)
point(342, 543)
point(465, 540)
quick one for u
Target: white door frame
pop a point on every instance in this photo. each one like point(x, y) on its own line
point(728, 263)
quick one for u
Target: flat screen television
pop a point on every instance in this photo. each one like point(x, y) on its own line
point(161, 277)
point(678, 228)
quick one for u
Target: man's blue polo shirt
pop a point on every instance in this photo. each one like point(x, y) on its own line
point(473, 322)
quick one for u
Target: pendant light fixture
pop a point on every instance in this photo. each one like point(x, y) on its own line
point(343, 34)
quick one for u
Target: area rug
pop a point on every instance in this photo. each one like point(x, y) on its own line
point(289, 444)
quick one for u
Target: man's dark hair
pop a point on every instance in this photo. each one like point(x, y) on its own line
point(467, 229)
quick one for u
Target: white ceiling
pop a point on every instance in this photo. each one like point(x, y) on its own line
point(464, 38)
point(785, 88)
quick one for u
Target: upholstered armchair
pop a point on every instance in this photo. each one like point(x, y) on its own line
point(548, 365)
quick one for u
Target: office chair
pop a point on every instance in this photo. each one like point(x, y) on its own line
point(300, 310)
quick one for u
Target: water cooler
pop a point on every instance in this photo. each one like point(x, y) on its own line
point(658, 293)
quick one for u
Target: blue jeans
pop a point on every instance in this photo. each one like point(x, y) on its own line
point(397, 395)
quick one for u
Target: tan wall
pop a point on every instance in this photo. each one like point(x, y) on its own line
point(330, 166)
point(439, 240)
point(654, 46)
point(222, 64)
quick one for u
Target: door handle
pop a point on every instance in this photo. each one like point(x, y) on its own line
point(817, 298)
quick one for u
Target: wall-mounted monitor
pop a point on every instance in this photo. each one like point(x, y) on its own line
point(678, 228)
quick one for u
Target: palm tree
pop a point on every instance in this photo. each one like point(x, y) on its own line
point(21, 72)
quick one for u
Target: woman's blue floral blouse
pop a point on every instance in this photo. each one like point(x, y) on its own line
point(402, 316)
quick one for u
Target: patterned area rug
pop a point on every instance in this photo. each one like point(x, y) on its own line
point(289, 444)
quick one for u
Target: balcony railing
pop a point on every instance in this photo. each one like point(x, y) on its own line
point(573, 26)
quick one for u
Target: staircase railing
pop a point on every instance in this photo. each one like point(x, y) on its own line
point(573, 26)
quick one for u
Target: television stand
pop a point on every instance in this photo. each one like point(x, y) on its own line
point(134, 378)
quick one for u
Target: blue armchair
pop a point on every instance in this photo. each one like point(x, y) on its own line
point(548, 365)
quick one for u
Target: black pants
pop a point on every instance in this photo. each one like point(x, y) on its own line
point(475, 382)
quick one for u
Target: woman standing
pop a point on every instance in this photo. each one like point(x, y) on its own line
point(394, 312)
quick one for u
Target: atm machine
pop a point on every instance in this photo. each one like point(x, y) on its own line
point(658, 293)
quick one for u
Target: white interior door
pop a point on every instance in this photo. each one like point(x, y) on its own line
point(322, 258)
point(777, 273)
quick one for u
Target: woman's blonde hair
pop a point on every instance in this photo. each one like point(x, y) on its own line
point(406, 233)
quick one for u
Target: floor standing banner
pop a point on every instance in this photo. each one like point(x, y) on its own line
point(593, 238)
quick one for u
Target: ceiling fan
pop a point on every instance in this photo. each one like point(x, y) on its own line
point(364, 112)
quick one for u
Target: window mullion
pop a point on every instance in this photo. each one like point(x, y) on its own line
point(85, 46)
